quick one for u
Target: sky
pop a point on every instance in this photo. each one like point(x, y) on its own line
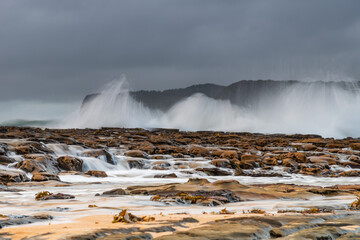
point(59, 51)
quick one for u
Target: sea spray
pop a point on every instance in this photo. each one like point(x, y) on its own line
point(312, 107)
point(114, 107)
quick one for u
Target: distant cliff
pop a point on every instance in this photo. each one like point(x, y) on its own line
point(242, 93)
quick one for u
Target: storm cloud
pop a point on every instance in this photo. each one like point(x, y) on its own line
point(62, 50)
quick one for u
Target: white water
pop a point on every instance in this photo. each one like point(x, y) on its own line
point(303, 108)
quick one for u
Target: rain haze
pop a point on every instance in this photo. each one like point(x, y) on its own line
point(54, 53)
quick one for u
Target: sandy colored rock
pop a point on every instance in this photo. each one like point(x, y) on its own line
point(136, 154)
point(39, 177)
point(95, 173)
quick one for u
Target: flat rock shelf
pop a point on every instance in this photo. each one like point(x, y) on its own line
point(77, 184)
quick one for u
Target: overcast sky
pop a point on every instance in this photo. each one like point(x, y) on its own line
point(61, 50)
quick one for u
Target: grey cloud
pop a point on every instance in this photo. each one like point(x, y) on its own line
point(62, 50)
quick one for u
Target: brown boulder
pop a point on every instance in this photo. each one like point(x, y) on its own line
point(159, 139)
point(350, 164)
point(224, 163)
point(42, 163)
point(115, 192)
point(270, 161)
point(41, 147)
point(335, 145)
point(309, 147)
point(229, 155)
point(288, 162)
point(136, 154)
point(147, 147)
point(248, 161)
point(198, 151)
point(27, 149)
point(320, 142)
point(354, 158)
point(247, 157)
point(39, 177)
point(12, 176)
point(322, 160)
point(95, 173)
point(100, 153)
point(69, 163)
point(4, 160)
point(135, 163)
point(161, 165)
point(355, 146)
point(198, 181)
point(299, 157)
point(167, 149)
point(352, 173)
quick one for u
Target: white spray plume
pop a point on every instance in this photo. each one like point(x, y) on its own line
point(301, 108)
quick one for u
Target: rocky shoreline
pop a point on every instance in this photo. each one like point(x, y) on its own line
point(305, 183)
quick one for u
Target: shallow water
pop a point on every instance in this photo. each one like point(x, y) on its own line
point(120, 175)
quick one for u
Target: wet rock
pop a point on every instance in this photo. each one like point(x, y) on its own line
point(213, 171)
point(198, 151)
point(13, 220)
point(318, 233)
point(350, 164)
point(95, 173)
point(26, 150)
point(159, 139)
point(41, 147)
point(3, 148)
point(136, 154)
point(299, 157)
point(249, 157)
point(323, 161)
point(318, 141)
point(177, 155)
point(171, 175)
point(69, 163)
point(354, 158)
point(198, 181)
point(288, 162)
point(309, 147)
point(248, 162)
point(114, 192)
point(224, 163)
point(44, 163)
point(147, 147)
point(167, 149)
point(4, 160)
point(100, 153)
point(352, 173)
point(161, 165)
point(203, 198)
point(355, 146)
point(12, 176)
point(43, 196)
point(230, 155)
point(271, 161)
point(335, 145)
point(135, 163)
point(39, 177)
point(126, 236)
point(290, 228)
point(158, 157)
point(236, 228)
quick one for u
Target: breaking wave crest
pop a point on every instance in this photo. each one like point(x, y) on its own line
point(315, 108)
